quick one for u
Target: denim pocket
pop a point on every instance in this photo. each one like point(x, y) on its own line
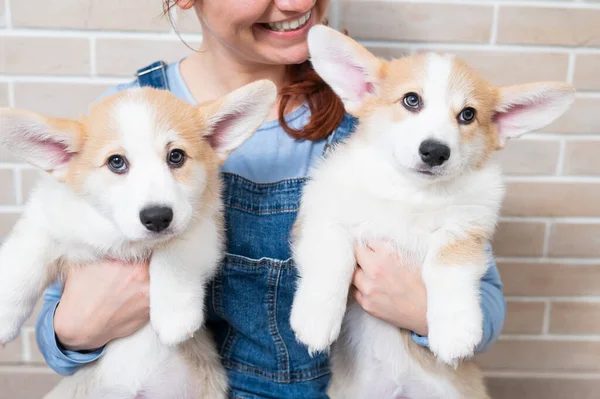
point(254, 297)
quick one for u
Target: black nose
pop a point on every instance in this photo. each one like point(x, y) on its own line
point(434, 153)
point(156, 218)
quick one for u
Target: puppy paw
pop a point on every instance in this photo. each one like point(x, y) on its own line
point(453, 336)
point(176, 326)
point(316, 323)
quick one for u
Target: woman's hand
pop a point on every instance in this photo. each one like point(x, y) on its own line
point(101, 302)
point(390, 289)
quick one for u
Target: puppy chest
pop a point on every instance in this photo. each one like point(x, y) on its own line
point(409, 228)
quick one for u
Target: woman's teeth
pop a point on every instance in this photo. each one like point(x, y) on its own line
point(289, 25)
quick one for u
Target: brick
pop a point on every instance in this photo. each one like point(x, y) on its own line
point(583, 117)
point(6, 156)
point(519, 239)
point(7, 192)
point(552, 199)
point(11, 353)
point(574, 240)
point(549, 387)
point(30, 322)
point(135, 54)
point(528, 157)
point(38, 55)
point(550, 279)
point(524, 318)
point(57, 99)
point(586, 72)
point(3, 95)
point(29, 178)
point(581, 158)
point(574, 318)
point(498, 66)
point(36, 355)
point(389, 52)
point(139, 15)
point(543, 355)
point(548, 26)
point(386, 20)
point(26, 382)
point(7, 221)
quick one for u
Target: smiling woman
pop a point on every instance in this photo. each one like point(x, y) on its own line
point(272, 33)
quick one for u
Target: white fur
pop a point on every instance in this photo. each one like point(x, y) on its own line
point(60, 228)
point(368, 189)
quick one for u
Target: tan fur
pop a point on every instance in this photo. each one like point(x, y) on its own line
point(402, 75)
point(208, 374)
point(97, 138)
point(469, 250)
point(398, 77)
point(467, 378)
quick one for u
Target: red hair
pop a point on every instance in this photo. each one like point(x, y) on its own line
point(326, 108)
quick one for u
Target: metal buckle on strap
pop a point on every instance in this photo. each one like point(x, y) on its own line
point(147, 71)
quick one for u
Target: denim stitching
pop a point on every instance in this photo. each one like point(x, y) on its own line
point(297, 376)
point(240, 261)
point(230, 337)
point(217, 286)
point(264, 212)
point(282, 351)
point(244, 181)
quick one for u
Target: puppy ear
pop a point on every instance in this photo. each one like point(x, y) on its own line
point(47, 143)
point(528, 107)
point(235, 117)
point(348, 68)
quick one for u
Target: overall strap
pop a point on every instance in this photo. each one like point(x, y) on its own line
point(343, 131)
point(154, 75)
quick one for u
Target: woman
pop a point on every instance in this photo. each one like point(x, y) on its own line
point(249, 302)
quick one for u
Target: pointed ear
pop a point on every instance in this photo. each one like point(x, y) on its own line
point(235, 117)
point(348, 68)
point(47, 143)
point(528, 107)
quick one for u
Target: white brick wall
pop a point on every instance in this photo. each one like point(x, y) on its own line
point(57, 56)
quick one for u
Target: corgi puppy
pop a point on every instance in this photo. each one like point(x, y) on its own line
point(137, 178)
point(416, 173)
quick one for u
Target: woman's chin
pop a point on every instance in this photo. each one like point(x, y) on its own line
point(290, 56)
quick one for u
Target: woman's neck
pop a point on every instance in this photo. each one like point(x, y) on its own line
point(212, 72)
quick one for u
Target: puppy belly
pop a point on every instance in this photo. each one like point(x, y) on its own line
point(140, 367)
point(374, 359)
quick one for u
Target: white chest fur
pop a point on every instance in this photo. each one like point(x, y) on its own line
point(342, 210)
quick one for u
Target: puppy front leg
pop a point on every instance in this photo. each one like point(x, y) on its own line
point(26, 265)
point(178, 275)
point(452, 273)
point(325, 260)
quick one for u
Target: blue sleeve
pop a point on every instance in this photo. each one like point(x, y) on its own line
point(115, 89)
point(493, 306)
point(61, 360)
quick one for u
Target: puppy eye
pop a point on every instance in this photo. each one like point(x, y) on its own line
point(176, 158)
point(412, 101)
point(466, 116)
point(117, 164)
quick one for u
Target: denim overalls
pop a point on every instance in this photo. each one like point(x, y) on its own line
point(249, 301)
